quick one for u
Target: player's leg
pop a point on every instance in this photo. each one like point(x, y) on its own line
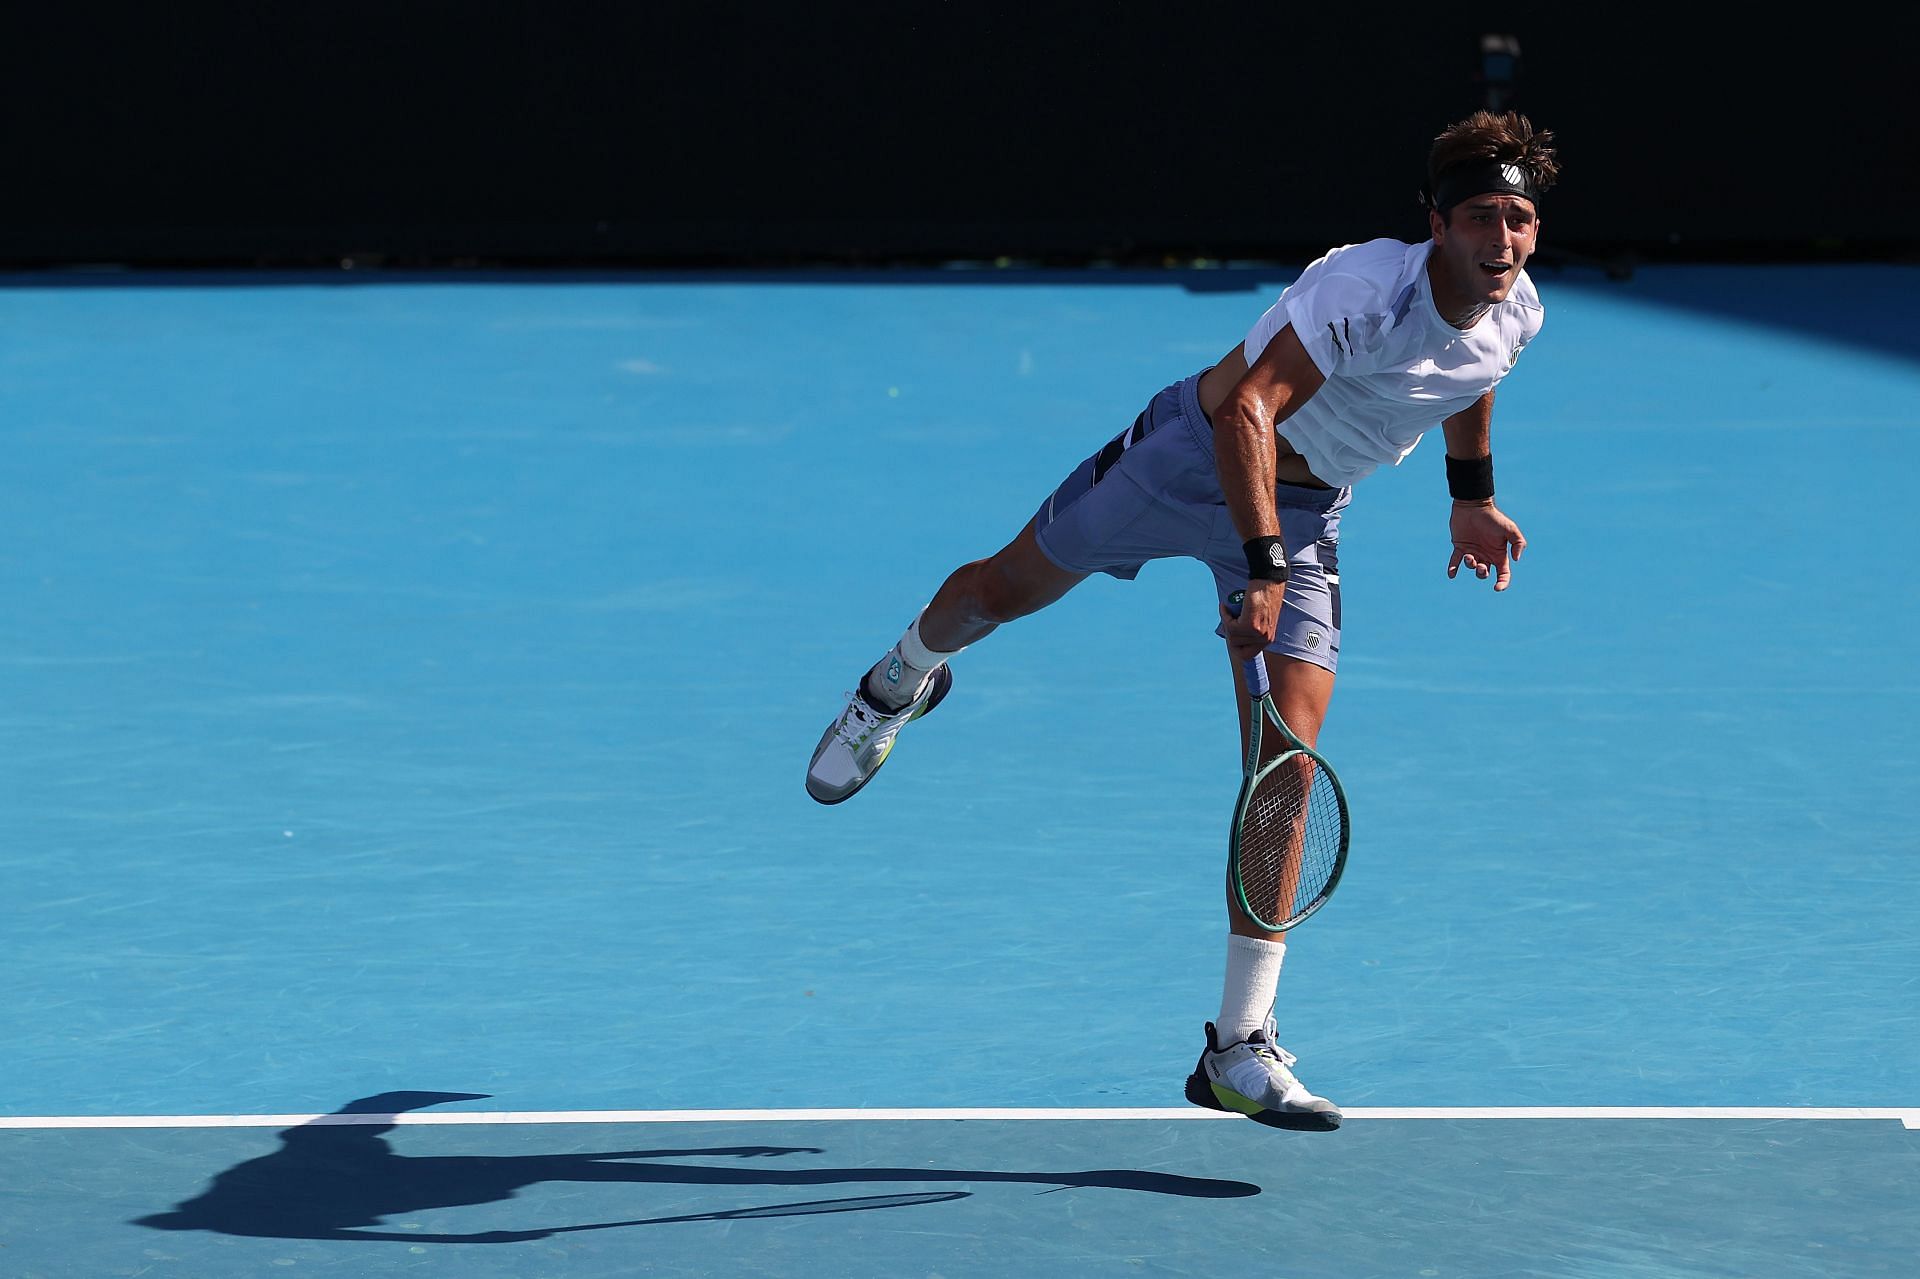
point(912, 678)
point(1242, 1067)
point(976, 598)
point(1118, 509)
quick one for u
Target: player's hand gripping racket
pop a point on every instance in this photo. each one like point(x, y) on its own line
point(1289, 840)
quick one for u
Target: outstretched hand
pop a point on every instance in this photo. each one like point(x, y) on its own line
point(1486, 541)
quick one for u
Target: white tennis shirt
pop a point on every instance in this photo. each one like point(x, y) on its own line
point(1394, 368)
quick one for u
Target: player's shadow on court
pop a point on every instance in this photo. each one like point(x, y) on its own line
point(335, 1176)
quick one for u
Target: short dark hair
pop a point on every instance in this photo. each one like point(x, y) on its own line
point(1507, 138)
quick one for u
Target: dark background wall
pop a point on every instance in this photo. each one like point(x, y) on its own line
point(495, 132)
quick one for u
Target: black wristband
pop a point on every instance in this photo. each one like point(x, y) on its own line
point(1470, 479)
point(1266, 559)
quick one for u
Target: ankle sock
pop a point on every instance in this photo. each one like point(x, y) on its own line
point(897, 678)
point(1246, 997)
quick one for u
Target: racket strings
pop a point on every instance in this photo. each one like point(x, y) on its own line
point(1290, 841)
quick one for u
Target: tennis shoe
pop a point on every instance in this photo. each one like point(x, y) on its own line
point(856, 744)
point(1255, 1078)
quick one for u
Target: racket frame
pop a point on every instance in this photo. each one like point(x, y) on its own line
point(1260, 709)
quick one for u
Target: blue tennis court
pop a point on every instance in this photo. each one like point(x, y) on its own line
point(408, 683)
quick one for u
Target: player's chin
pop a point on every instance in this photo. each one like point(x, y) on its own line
point(1496, 287)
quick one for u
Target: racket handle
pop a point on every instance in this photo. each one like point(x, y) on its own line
point(1256, 673)
point(1255, 667)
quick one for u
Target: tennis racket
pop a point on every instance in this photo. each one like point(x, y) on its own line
point(1290, 830)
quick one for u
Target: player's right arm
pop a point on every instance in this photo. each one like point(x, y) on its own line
point(1244, 446)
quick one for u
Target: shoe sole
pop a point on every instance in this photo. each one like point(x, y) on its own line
point(1200, 1093)
point(942, 682)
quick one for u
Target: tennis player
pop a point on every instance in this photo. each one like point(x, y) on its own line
point(1248, 466)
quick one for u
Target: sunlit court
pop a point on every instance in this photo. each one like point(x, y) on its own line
point(408, 679)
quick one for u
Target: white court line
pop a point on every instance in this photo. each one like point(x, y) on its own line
point(1909, 1118)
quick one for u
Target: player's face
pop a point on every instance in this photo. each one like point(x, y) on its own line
point(1484, 242)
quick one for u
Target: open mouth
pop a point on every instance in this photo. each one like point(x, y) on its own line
point(1496, 268)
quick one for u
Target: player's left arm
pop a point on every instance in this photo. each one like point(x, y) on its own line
point(1484, 539)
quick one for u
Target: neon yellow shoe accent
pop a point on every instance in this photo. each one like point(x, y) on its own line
point(1234, 1101)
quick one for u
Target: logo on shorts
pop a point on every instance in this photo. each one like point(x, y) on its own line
point(1314, 639)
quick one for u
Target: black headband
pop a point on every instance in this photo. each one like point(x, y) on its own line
point(1483, 177)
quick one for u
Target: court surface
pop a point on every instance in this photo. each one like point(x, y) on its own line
point(406, 686)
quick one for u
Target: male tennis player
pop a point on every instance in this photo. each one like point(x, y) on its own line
point(1247, 466)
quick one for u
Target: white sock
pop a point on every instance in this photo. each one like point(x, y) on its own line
point(896, 679)
point(1253, 974)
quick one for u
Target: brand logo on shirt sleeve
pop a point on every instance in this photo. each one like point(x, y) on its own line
point(1342, 336)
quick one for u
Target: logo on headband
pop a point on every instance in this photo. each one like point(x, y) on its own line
point(1484, 177)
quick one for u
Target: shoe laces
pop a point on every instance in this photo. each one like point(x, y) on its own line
point(1265, 1047)
point(859, 722)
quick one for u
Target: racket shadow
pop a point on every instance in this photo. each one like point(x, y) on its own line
point(338, 1178)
